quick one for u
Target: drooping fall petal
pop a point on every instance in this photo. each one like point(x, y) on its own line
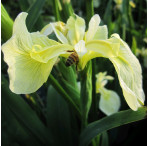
point(27, 73)
point(129, 73)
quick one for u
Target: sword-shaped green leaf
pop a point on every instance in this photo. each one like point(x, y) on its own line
point(34, 13)
point(109, 122)
point(25, 115)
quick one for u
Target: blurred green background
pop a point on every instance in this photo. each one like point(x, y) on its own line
point(127, 18)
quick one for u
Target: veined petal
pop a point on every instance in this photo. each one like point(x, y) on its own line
point(26, 74)
point(76, 29)
point(59, 34)
point(101, 33)
point(129, 73)
point(21, 33)
point(99, 48)
point(48, 53)
point(109, 101)
point(41, 40)
point(47, 30)
point(93, 27)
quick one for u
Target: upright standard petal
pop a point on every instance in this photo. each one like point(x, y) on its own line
point(102, 80)
point(101, 33)
point(76, 29)
point(129, 73)
point(93, 27)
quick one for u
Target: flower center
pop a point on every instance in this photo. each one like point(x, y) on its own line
point(80, 48)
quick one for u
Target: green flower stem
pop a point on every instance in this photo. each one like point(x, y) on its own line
point(56, 9)
point(6, 24)
point(61, 91)
point(130, 18)
point(90, 13)
point(86, 93)
point(93, 99)
point(86, 78)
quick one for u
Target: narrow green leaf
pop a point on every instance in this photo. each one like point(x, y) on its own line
point(56, 9)
point(64, 94)
point(24, 114)
point(6, 24)
point(73, 92)
point(104, 140)
point(34, 13)
point(115, 120)
point(13, 131)
point(67, 10)
point(58, 118)
point(24, 4)
point(86, 92)
point(89, 10)
point(134, 45)
point(68, 73)
point(108, 15)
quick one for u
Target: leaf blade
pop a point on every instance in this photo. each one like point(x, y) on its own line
point(115, 120)
point(24, 114)
point(34, 13)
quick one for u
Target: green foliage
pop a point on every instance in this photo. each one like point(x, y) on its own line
point(22, 114)
point(6, 23)
point(118, 119)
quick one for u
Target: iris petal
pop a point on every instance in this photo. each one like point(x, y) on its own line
point(59, 34)
point(109, 101)
point(93, 26)
point(76, 29)
point(101, 33)
point(129, 73)
point(27, 74)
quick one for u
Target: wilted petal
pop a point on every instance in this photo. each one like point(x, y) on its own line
point(109, 101)
point(76, 29)
point(93, 27)
point(129, 73)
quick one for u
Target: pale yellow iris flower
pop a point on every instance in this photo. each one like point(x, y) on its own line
point(109, 100)
point(31, 56)
point(26, 68)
